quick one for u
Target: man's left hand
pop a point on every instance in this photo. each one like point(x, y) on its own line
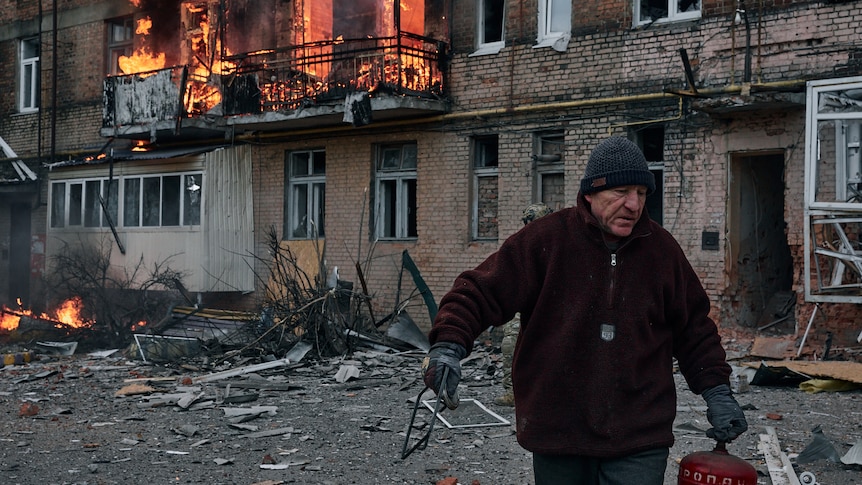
point(724, 414)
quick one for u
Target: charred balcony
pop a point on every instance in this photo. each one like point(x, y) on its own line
point(321, 84)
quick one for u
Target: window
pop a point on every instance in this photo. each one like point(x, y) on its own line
point(491, 18)
point(28, 99)
point(305, 200)
point(119, 43)
point(649, 11)
point(161, 200)
point(651, 142)
point(550, 169)
point(485, 187)
point(555, 21)
point(395, 193)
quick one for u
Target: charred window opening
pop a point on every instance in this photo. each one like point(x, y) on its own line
point(120, 42)
point(486, 195)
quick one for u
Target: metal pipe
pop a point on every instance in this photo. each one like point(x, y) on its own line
point(533, 108)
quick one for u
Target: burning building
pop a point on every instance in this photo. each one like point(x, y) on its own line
point(361, 129)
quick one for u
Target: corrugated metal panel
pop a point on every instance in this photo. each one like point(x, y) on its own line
point(229, 220)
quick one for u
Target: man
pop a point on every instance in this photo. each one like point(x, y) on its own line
point(607, 301)
point(513, 326)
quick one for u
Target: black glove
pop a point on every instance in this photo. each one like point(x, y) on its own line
point(724, 414)
point(443, 356)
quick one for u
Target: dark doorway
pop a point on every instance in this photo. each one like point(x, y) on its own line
point(760, 263)
point(19, 254)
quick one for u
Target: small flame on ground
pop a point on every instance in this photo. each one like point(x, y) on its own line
point(68, 313)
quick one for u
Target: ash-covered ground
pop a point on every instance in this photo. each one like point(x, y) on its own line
point(114, 419)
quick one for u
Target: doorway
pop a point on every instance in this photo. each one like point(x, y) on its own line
point(19, 254)
point(760, 263)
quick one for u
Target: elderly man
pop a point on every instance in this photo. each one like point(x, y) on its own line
point(607, 301)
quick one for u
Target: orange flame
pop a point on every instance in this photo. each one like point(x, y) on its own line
point(68, 314)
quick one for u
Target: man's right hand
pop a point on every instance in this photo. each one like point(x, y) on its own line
point(443, 356)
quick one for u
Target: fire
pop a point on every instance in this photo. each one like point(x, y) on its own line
point(142, 61)
point(68, 314)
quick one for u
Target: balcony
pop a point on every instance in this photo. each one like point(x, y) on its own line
point(322, 84)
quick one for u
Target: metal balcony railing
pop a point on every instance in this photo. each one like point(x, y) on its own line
point(290, 78)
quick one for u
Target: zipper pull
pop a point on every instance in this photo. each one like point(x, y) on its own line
point(613, 259)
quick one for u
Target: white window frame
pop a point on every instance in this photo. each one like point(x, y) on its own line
point(29, 75)
point(89, 214)
point(549, 10)
point(309, 184)
point(396, 166)
point(673, 15)
point(484, 46)
point(483, 169)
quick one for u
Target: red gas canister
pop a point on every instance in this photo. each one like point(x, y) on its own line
point(716, 467)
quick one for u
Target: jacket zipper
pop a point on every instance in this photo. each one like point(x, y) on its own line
point(613, 277)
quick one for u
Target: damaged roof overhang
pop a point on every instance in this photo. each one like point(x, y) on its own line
point(737, 104)
point(124, 155)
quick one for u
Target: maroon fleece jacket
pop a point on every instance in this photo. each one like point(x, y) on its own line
point(593, 365)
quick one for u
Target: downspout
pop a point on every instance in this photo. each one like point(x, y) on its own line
point(53, 81)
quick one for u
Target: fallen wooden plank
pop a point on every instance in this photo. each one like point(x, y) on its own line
point(780, 469)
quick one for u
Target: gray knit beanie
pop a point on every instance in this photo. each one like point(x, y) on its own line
point(614, 162)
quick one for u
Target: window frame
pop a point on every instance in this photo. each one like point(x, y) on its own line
point(314, 183)
point(401, 197)
point(549, 161)
point(29, 78)
point(485, 165)
point(545, 36)
point(116, 48)
point(84, 211)
point(484, 47)
point(672, 14)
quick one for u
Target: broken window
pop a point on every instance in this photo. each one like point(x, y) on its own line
point(120, 38)
point(649, 11)
point(549, 169)
point(305, 200)
point(169, 200)
point(651, 142)
point(486, 195)
point(395, 194)
point(833, 191)
point(555, 21)
point(490, 26)
point(28, 84)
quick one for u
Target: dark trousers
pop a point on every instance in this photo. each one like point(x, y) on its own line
point(645, 468)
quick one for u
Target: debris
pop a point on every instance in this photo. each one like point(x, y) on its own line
point(780, 469)
point(223, 461)
point(187, 430)
point(163, 348)
point(404, 329)
point(829, 369)
point(470, 413)
point(18, 358)
point(820, 447)
point(346, 372)
point(58, 348)
point(134, 389)
point(28, 409)
point(835, 385)
point(772, 347)
point(242, 370)
point(270, 432)
point(853, 455)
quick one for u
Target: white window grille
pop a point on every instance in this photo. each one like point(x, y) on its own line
point(395, 192)
point(306, 194)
